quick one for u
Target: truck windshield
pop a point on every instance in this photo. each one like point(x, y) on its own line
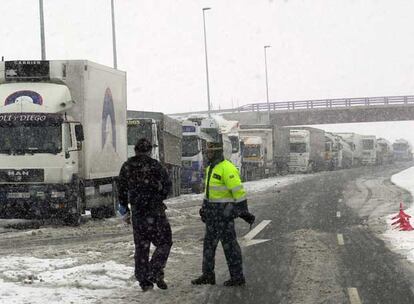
point(368, 144)
point(137, 130)
point(190, 146)
point(399, 147)
point(251, 151)
point(30, 139)
point(235, 144)
point(297, 147)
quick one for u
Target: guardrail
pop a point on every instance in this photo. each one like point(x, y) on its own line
point(319, 104)
point(328, 103)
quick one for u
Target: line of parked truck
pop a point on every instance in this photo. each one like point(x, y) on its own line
point(65, 132)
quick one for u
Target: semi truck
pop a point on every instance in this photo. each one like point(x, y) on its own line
point(338, 153)
point(193, 158)
point(307, 148)
point(62, 139)
point(384, 151)
point(369, 150)
point(402, 150)
point(355, 142)
point(265, 150)
point(165, 134)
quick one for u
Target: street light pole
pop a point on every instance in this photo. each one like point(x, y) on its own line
point(267, 84)
point(42, 30)
point(205, 51)
point(113, 35)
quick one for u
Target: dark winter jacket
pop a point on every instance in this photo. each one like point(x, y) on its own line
point(144, 183)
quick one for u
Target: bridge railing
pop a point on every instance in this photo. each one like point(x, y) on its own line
point(328, 103)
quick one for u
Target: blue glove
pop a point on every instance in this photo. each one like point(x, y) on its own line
point(122, 210)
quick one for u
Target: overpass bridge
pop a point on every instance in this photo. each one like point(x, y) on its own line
point(323, 111)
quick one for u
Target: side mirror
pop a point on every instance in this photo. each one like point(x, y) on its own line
point(79, 133)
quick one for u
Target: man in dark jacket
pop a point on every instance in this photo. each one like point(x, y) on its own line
point(144, 184)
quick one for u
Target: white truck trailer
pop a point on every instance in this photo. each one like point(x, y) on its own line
point(62, 139)
point(165, 134)
point(307, 149)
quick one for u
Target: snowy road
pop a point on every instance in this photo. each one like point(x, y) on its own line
point(303, 262)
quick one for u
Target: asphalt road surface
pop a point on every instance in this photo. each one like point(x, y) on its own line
point(322, 250)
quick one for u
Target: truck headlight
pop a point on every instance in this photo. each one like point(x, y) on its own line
point(57, 194)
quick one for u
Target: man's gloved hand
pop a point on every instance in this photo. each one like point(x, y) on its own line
point(202, 213)
point(125, 213)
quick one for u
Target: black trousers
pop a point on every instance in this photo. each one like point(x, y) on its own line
point(221, 228)
point(149, 229)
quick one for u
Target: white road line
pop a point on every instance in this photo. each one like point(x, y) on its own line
point(256, 230)
point(354, 296)
point(338, 214)
point(341, 239)
point(247, 240)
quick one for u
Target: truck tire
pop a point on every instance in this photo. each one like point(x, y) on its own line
point(74, 219)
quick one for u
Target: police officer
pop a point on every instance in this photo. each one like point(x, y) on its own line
point(225, 199)
point(144, 184)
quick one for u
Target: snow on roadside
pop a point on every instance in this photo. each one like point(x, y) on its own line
point(402, 241)
point(33, 280)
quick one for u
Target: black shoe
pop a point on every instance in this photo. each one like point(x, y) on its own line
point(235, 282)
point(146, 285)
point(205, 279)
point(161, 284)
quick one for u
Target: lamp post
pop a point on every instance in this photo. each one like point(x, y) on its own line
point(267, 84)
point(205, 52)
point(42, 30)
point(113, 35)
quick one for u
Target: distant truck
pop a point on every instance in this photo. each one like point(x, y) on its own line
point(384, 152)
point(194, 145)
point(265, 150)
point(338, 153)
point(62, 139)
point(369, 150)
point(402, 150)
point(165, 134)
point(355, 142)
point(307, 148)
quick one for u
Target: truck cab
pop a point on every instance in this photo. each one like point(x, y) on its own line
point(300, 151)
point(369, 150)
point(143, 128)
point(59, 125)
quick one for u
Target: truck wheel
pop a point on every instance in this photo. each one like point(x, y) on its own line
point(74, 219)
point(98, 213)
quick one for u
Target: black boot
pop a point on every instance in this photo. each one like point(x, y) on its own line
point(205, 279)
point(146, 285)
point(235, 282)
point(161, 284)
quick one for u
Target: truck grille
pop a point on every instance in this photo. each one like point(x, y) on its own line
point(21, 175)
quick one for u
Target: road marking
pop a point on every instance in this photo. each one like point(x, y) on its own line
point(338, 214)
point(354, 296)
point(247, 240)
point(341, 239)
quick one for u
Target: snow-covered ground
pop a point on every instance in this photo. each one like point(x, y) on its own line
point(402, 241)
point(94, 269)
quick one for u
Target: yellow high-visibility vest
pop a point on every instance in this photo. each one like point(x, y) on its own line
point(225, 185)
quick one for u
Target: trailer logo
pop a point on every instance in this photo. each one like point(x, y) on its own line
point(24, 95)
point(108, 115)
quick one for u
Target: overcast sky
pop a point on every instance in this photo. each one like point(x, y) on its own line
point(320, 48)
